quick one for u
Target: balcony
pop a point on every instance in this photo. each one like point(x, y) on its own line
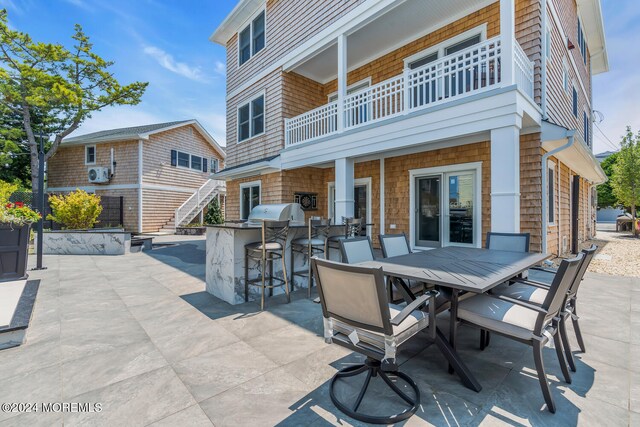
point(465, 73)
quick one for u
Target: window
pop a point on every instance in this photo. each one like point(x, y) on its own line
point(188, 161)
point(575, 101)
point(448, 47)
point(214, 165)
point(90, 155)
point(582, 43)
point(551, 185)
point(587, 130)
point(252, 39)
point(249, 198)
point(251, 119)
point(565, 75)
point(196, 163)
point(457, 47)
point(362, 84)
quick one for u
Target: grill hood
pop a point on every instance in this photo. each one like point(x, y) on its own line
point(277, 212)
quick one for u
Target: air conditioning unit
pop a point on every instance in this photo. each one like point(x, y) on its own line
point(98, 175)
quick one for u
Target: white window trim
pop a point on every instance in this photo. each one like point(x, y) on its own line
point(217, 168)
point(440, 47)
point(249, 100)
point(549, 44)
point(249, 22)
point(351, 86)
point(475, 167)
point(244, 185)
point(356, 182)
point(95, 155)
point(551, 165)
point(189, 168)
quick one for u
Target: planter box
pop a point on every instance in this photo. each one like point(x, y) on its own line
point(86, 242)
point(191, 231)
point(14, 245)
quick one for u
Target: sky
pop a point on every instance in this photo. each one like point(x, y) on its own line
point(166, 43)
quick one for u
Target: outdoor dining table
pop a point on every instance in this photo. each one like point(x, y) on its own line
point(457, 269)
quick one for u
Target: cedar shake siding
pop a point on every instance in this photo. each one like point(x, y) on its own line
point(164, 187)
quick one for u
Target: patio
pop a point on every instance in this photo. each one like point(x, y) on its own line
point(139, 334)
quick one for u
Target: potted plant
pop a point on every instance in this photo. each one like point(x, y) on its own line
point(15, 224)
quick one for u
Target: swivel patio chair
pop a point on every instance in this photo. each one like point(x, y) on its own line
point(536, 288)
point(313, 244)
point(271, 247)
point(357, 315)
point(513, 242)
point(525, 322)
point(352, 228)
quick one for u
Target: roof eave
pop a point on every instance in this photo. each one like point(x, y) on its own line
point(243, 10)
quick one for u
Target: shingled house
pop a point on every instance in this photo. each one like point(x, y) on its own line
point(158, 169)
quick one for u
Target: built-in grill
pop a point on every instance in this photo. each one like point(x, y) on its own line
point(277, 212)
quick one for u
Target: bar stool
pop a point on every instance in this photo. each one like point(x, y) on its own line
point(270, 248)
point(315, 243)
point(352, 228)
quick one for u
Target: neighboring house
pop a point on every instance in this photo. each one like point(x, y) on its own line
point(442, 120)
point(602, 156)
point(155, 168)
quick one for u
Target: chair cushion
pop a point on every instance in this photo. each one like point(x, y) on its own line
point(270, 246)
point(337, 238)
point(523, 292)
point(316, 241)
point(500, 316)
point(413, 324)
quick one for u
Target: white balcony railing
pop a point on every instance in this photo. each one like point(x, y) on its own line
point(469, 71)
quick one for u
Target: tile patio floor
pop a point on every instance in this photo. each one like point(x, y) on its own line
point(138, 334)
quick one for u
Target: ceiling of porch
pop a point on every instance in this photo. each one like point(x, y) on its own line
point(408, 21)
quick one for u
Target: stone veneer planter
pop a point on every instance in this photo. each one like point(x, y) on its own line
point(14, 245)
point(191, 231)
point(86, 242)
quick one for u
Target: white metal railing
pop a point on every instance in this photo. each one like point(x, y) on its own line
point(469, 71)
point(523, 69)
point(312, 124)
point(376, 102)
point(197, 201)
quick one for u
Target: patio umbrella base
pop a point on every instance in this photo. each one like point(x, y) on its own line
point(372, 368)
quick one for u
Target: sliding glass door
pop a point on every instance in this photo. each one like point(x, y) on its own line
point(445, 209)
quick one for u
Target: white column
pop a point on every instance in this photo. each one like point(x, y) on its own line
point(342, 78)
point(507, 36)
point(344, 188)
point(505, 179)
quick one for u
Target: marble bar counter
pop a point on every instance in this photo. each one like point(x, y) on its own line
point(225, 259)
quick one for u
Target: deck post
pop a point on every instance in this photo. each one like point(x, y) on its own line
point(507, 41)
point(505, 179)
point(344, 200)
point(342, 79)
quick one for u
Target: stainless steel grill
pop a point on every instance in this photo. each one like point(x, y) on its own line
point(277, 212)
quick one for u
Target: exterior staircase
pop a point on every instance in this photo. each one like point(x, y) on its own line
point(195, 204)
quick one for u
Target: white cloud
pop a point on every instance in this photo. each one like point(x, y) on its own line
point(220, 68)
point(167, 61)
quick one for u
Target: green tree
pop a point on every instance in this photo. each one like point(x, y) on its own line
point(62, 85)
point(626, 173)
point(214, 213)
point(606, 198)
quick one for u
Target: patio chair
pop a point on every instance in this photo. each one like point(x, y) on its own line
point(356, 249)
point(357, 315)
point(525, 322)
point(271, 247)
point(513, 242)
point(536, 288)
point(314, 243)
point(352, 228)
point(396, 245)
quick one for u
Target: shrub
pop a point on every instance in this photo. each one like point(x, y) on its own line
point(14, 213)
point(6, 190)
point(76, 210)
point(214, 213)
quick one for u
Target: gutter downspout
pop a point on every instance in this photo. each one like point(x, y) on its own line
point(545, 193)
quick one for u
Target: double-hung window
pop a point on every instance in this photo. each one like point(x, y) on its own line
point(249, 198)
point(587, 133)
point(582, 42)
point(252, 39)
point(214, 165)
point(575, 101)
point(90, 155)
point(251, 118)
